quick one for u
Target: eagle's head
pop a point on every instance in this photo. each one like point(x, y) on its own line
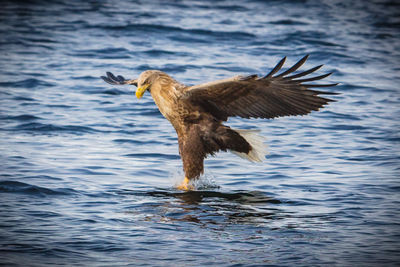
point(146, 80)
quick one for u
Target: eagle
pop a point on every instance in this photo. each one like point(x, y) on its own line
point(198, 112)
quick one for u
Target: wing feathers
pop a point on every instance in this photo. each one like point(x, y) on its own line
point(316, 78)
point(319, 85)
point(304, 73)
point(117, 80)
point(294, 67)
point(273, 95)
point(276, 69)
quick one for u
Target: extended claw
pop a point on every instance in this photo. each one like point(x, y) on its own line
point(185, 185)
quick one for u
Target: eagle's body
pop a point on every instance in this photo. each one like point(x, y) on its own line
point(199, 133)
point(198, 112)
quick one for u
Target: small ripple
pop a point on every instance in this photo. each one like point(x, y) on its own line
point(24, 188)
point(149, 28)
point(90, 172)
point(288, 22)
point(223, 66)
point(105, 53)
point(40, 177)
point(23, 98)
point(336, 56)
point(337, 115)
point(114, 92)
point(189, 39)
point(27, 83)
point(344, 127)
point(58, 106)
point(374, 159)
point(41, 249)
point(24, 117)
point(161, 53)
point(152, 155)
point(101, 91)
point(278, 156)
point(387, 24)
point(135, 131)
point(94, 245)
point(85, 78)
point(169, 68)
point(129, 141)
point(45, 128)
point(40, 40)
point(320, 42)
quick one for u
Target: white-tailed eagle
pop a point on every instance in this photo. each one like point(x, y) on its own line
point(198, 112)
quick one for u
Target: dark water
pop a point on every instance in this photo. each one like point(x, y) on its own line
point(88, 171)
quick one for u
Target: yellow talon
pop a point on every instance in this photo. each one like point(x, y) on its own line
point(185, 185)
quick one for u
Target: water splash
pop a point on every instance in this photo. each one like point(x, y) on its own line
point(206, 181)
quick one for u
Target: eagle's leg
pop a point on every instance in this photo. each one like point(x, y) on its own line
point(192, 153)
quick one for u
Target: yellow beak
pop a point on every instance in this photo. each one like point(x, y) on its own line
point(140, 91)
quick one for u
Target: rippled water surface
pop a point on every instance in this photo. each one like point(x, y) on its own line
point(88, 172)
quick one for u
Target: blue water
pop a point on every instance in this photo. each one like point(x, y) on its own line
point(88, 172)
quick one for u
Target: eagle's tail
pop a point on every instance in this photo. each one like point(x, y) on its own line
point(258, 148)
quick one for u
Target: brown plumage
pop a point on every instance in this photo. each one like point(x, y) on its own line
point(197, 112)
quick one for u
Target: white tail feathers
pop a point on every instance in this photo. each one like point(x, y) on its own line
point(258, 148)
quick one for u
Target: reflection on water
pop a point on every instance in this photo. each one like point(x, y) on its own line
point(209, 207)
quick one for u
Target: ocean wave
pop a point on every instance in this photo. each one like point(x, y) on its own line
point(112, 91)
point(163, 53)
point(288, 22)
point(24, 188)
point(85, 78)
point(104, 53)
point(129, 141)
point(338, 115)
point(157, 28)
point(23, 98)
point(169, 68)
point(27, 83)
point(47, 128)
point(87, 171)
point(24, 117)
point(152, 155)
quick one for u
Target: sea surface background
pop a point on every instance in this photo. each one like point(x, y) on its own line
point(87, 171)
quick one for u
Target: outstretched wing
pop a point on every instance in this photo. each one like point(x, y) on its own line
point(261, 97)
point(117, 80)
